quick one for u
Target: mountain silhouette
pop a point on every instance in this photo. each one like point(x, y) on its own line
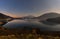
point(48, 15)
point(44, 18)
point(4, 19)
point(3, 16)
point(28, 17)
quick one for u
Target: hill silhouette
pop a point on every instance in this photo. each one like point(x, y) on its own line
point(3, 16)
point(4, 19)
point(48, 15)
point(46, 18)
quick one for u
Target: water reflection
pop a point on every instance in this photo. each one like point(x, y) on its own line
point(19, 24)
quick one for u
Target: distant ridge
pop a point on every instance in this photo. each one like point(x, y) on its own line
point(46, 18)
point(3, 16)
point(48, 15)
point(4, 19)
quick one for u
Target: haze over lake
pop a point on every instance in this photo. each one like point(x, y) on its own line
point(19, 24)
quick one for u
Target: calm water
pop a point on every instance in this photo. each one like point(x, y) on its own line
point(34, 24)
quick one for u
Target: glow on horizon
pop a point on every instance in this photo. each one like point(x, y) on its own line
point(20, 8)
point(36, 14)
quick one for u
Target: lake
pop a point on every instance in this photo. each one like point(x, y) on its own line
point(19, 24)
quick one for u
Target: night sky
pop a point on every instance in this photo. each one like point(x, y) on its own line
point(18, 8)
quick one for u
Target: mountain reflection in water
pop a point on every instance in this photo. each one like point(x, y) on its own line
point(19, 24)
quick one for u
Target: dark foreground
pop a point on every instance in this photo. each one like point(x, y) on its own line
point(25, 33)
